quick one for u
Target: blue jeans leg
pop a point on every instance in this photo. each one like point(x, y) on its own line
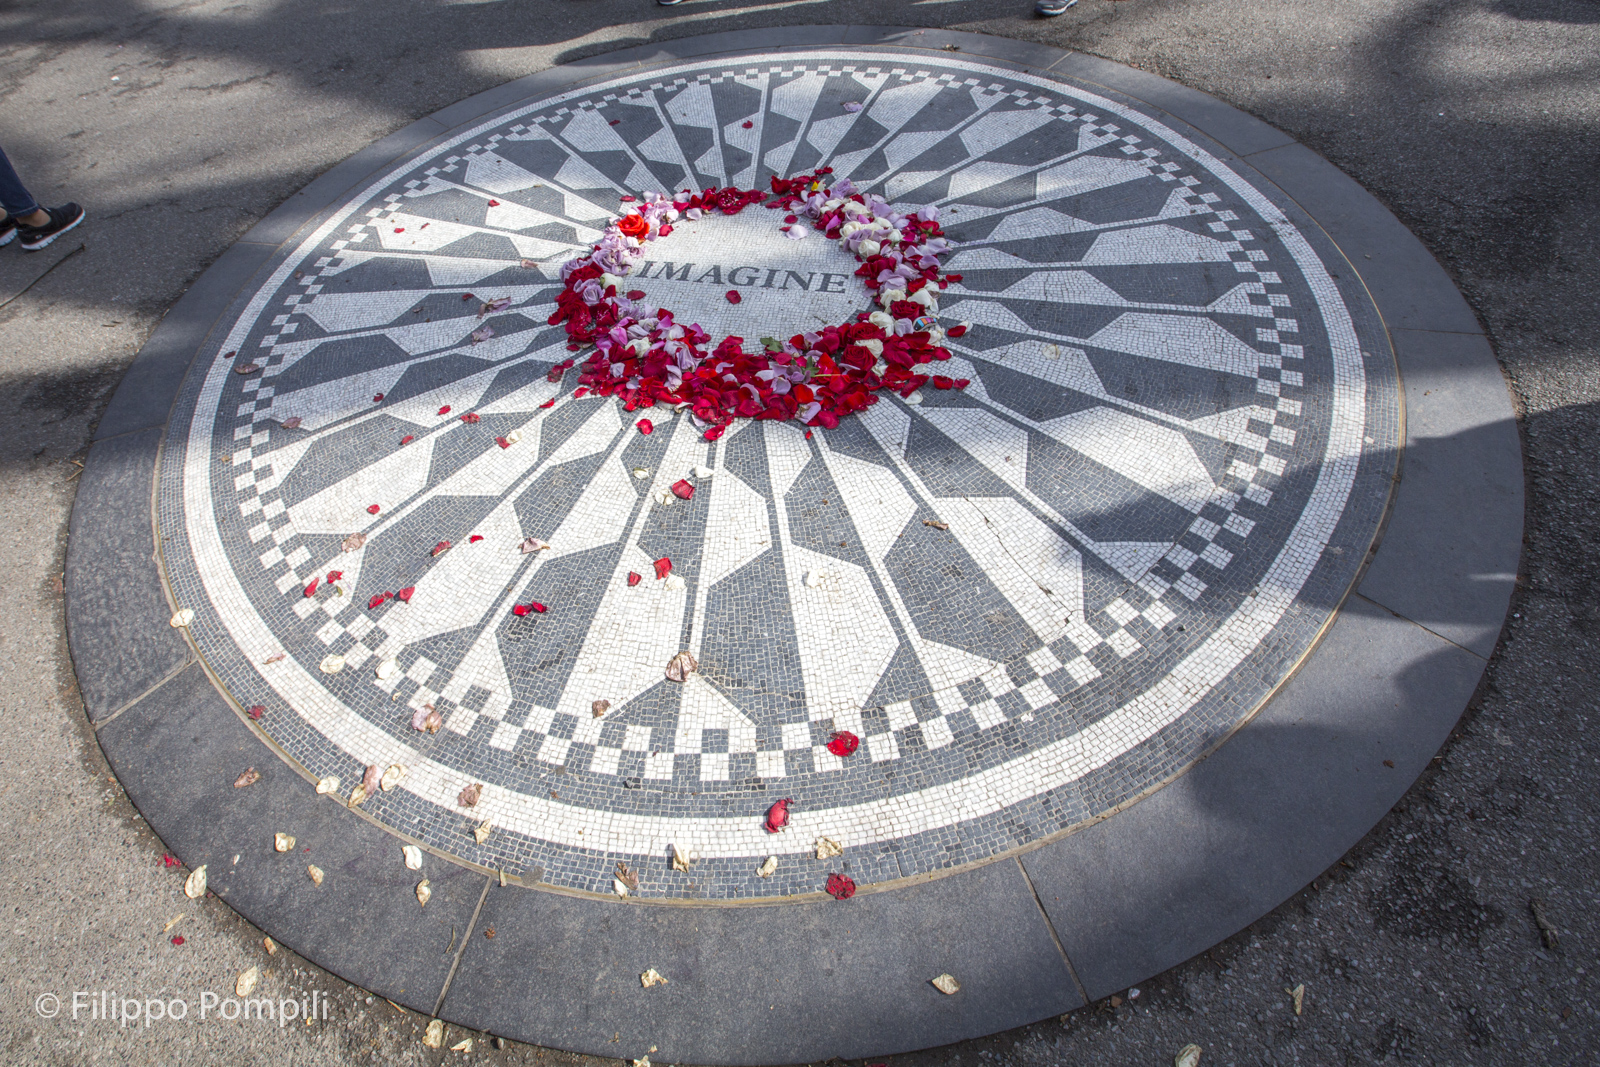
point(14, 196)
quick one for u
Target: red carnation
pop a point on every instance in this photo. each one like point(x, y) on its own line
point(841, 886)
point(778, 815)
point(844, 743)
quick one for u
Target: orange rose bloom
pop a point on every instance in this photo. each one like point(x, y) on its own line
point(633, 226)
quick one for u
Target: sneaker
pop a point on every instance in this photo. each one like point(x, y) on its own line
point(669, 3)
point(1052, 8)
point(62, 219)
point(8, 230)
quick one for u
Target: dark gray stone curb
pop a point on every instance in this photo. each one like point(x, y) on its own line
point(1029, 936)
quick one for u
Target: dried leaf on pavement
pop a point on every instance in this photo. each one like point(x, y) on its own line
point(652, 977)
point(354, 541)
point(433, 1037)
point(283, 842)
point(600, 707)
point(391, 777)
point(681, 667)
point(270, 945)
point(183, 618)
point(250, 777)
point(681, 858)
point(1188, 1056)
point(469, 796)
point(413, 857)
point(464, 1045)
point(766, 869)
point(481, 832)
point(627, 876)
point(947, 985)
point(827, 848)
point(424, 891)
point(315, 872)
point(330, 784)
point(246, 983)
point(194, 887)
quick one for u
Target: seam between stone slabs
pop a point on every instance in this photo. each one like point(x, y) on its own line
point(472, 924)
point(1406, 618)
point(1048, 925)
point(188, 662)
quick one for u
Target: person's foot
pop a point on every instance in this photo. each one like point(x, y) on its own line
point(62, 219)
point(1052, 8)
point(8, 230)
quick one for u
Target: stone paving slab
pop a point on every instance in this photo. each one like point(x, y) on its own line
point(1132, 628)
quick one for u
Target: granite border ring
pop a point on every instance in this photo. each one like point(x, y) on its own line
point(1139, 632)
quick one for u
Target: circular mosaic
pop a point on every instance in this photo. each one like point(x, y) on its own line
point(1032, 599)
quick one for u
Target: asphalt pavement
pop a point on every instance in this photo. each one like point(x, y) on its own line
point(1462, 929)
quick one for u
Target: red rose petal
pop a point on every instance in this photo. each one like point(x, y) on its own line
point(941, 382)
point(548, 404)
point(633, 579)
point(255, 711)
point(407, 439)
point(538, 607)
point(682, 489)
point(311, 590)
point(778, 815)
point(373, 510)
point(399, 229)
point(466, 296)
point(663, 567)
point(502, 442)
point(334, 576)
point(955, 331)
point(170, 860)
point(178, 939)
point(440, 549)
point(377, 600)
point(377, 398)
point(404, 595)
point(665, 230)
point(733, 296)
point(494, 203)
point(471, 416)
point(445, 410)
point(791, 218)
point(715, 432)
point(646, 427)
point(747, 124)
point(844, 743)
point(635, 294)
point(474, 539)
point(519, 610)
point(841, 886)
point(626, 198)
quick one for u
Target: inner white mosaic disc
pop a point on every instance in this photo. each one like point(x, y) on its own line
point(1032, 600)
